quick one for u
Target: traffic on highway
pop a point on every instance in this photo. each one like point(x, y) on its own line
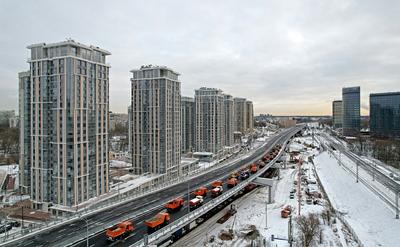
point(142, 216)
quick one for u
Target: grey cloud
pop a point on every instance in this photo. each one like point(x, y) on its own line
point(288, 57)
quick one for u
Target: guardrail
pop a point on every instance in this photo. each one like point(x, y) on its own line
point(119, 199)
point(166, 231)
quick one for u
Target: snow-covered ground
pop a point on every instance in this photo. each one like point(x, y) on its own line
point(369, 217)
point(251, 213)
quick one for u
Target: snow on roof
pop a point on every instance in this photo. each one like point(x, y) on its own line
point(119, 163)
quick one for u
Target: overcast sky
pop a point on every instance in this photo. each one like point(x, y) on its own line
point(288, 57)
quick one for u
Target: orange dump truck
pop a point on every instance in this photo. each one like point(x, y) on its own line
point(253, 168)
point(202, 191)
point(158, 221)
point(175, 204)
point(119, 231)
point(232, 182)
point(216, 184)
point(285, 212)
point(216, 191)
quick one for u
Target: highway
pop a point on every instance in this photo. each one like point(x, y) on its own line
point(140, 209)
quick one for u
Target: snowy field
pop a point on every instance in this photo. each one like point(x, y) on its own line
point(371, 219)
point(251, 215)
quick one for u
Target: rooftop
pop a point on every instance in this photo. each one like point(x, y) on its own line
point(70, 42)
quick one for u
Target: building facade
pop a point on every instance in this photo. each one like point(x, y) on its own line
point(385, 114)
point(337, 114)
point(156, 121)
point(229, 120)
point(188, 121)
point(64, 104)
point(210, 120)
point(351, 111)
point(129, 129)
point(240, 114)
point(24, 105)
point(249, 116)
point(243, 115)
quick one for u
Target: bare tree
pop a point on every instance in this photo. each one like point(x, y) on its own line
point(308, 229)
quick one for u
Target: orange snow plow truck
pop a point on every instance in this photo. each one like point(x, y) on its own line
point(174, 205)
point(158, 221)
point(202, 191)
point(119, 231)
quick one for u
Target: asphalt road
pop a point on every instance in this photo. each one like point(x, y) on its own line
point(141, 208)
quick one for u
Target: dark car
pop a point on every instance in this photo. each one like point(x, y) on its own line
point(244, 175)
point(5, 227)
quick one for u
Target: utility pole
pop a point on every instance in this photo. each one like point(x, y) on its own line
point(188, 195)
point(357, 171)
point(397, 204)
point(266, 214)
point(299, 187)
point(290, 231)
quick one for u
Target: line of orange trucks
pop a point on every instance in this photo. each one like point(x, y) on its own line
point(161, 219)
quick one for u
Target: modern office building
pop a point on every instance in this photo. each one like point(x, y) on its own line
point(229, 120)
point(249, 116)
point(64, 104)
point(385, 114)
point(337, 114)
point(156, 121)
point(188, 122)
point(210, 120)
point(351, 111)
point(240, 115)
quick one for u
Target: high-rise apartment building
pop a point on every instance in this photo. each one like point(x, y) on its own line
point(210, 120)
point(156, 120)
point(229, 120)
point(64, 104)
point(188, 122)
point(337, 114)
point(249, 116)
point(24, 92)
point(243, 115)
point(240, 114)
point(351, 111)
point(129, 128)
point(385, 114)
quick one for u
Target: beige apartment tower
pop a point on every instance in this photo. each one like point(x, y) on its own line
point(229, 120)
point(156, 121)
point(210, 120)
point(64, 104)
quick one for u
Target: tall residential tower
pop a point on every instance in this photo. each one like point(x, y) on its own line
point(156, 120)
point(64, 103)
point(188, 121)
point(210, 120)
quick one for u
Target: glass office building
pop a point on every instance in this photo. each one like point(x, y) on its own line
point(351, 111)
point(385, 114)
point(337, 114)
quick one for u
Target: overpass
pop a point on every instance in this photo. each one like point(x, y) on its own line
point(138, 209)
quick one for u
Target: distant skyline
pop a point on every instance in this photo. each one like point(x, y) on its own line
point(288, 57)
